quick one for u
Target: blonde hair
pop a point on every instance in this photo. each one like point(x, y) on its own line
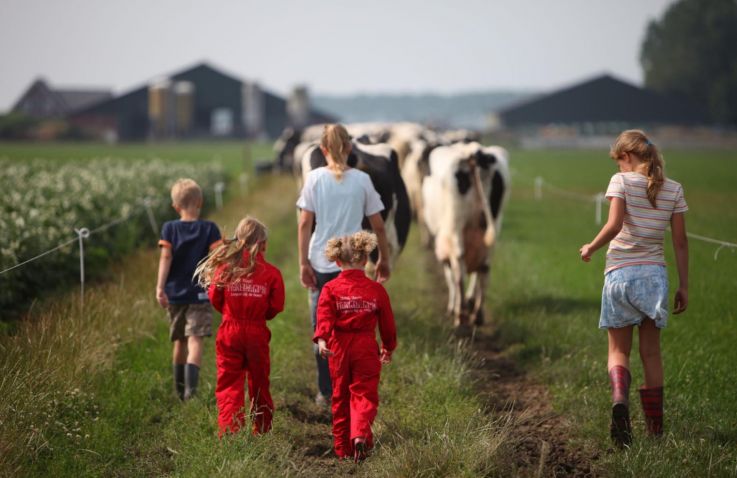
point(249, 235)
point(336, 140)
point(353, 249)
point(185, 193)
point(636, 142)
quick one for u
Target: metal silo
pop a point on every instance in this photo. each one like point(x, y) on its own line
point(159, 107)
point(184, 107)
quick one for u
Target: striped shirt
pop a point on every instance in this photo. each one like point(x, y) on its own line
point(641, 239)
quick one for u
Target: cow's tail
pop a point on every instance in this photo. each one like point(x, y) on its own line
point(490, 233)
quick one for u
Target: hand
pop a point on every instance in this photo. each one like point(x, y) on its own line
point(586, 252)
point(322, 347)
point(382, 271)
point(386, 357)
point(307, 277)
point(681, 301)
point(161, 298)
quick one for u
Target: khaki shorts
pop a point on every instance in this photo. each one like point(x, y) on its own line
point(187, 320)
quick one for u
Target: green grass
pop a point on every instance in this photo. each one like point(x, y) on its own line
point(89, 394)
point(97, 399)
point(546, 303)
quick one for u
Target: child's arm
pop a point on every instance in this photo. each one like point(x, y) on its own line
point(276, 297)
point(326, 317)
point(608, 232)
point(382, 265)
point(680, 247)
point(387, 327)
point(216, 292)
point(164, 267)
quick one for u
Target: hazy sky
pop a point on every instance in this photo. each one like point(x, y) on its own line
point(334, 46)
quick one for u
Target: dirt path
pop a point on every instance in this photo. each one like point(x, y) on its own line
point(541, 436)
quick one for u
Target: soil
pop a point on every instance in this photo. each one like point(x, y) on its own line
point(541, 437)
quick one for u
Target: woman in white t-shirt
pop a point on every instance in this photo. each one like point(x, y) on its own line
point(334, 200)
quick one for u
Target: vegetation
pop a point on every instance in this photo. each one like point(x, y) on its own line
point(691, 52)
point(43, 203)
point(88, 393)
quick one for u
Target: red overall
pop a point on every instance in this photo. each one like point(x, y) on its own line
point(348, 311)
point(242, 345)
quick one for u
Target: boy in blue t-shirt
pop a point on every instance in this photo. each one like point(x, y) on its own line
point(184, 243)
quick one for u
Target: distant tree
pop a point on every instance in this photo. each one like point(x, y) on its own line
point(692, 52)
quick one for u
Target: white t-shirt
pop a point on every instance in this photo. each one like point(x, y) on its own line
point(339, 208)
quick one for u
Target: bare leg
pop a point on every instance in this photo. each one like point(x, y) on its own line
point(652, 362)
point(179, 353)
point(620, 345)
point(195, 350)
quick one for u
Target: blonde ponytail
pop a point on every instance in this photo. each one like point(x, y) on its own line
point(636, 142)
point(249, 235)
point(337, 142)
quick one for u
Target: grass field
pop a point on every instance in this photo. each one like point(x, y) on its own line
point(88, 394)
point(546, 304)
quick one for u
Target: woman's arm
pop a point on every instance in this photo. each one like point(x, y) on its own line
point(680, 247)
point(608, 232)
point(304, 231)
point(382, 266)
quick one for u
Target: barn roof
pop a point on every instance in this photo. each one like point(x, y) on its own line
point(603, 99)
point(66, 100)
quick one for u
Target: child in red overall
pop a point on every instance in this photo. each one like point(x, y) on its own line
point(349, 308)
point(248, 291)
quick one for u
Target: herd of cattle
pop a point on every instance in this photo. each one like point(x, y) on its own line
point(454, 187)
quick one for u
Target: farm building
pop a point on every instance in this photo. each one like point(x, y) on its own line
point(199, 102)
point(600, 106)
point(41, 101)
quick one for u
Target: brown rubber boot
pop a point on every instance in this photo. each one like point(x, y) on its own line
point(652, 406)
point(620, 428)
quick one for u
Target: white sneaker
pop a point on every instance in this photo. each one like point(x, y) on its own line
point(321, 401)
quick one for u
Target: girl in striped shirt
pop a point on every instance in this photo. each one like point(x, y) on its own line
point(643, 203)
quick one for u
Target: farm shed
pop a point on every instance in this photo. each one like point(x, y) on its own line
point(602, 105)
point(42, 101)
point(199, 102)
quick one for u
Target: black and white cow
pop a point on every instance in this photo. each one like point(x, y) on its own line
point(379, 161)
point(463, 198)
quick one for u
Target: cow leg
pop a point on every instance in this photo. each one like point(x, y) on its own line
point(460, 314)
point(477, 313)
point(448, 272)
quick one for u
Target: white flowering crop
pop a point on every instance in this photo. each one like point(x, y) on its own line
point(43, 201)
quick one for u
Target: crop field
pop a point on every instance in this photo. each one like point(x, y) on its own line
point(88, 392)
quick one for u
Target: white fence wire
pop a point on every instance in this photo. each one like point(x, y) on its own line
point(598, 199)
point(85, 233)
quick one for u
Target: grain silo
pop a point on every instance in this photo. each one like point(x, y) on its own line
point(183, 107)
point(298, 108)
point(254, 110)
point(159, 108)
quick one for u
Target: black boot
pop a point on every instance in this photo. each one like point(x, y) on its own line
point(178, 369)
point(191, 378)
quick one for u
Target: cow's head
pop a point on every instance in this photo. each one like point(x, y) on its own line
point(284, 147)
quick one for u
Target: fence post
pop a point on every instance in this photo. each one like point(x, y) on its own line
point(219, 188)
point(147, 203)
point(243, 179)
point(538, 187)
point(82, 233)
point(599, 198)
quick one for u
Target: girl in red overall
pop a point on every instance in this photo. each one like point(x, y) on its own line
point(349, 308)
point(248, 291)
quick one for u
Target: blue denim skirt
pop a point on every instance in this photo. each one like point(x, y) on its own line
point(633, 293)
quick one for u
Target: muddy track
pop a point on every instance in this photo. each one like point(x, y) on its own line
point(541, 437)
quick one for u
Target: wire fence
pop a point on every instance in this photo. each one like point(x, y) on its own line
point(83, 233)
point(541, 185)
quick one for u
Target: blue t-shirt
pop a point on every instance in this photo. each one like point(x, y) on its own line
point(190, 242)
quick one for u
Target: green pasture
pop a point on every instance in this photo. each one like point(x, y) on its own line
point(545, 302)
point(89, 393)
